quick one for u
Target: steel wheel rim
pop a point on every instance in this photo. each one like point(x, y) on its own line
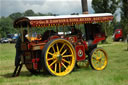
point(60, 58)
point(99, 59)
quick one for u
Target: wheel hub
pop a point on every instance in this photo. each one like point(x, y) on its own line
point(59, 58)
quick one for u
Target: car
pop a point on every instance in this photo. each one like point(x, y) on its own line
point(118, 35)
point(4, 40)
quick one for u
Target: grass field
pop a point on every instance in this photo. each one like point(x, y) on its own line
point(116, 72)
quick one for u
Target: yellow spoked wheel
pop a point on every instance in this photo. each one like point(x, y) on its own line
point(59, 57)
point(98, 59)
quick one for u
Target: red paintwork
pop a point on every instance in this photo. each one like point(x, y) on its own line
point(35, 60)
point(98, 37)
point(35, 63)
point(85, 45)
point(118, 34)
point(80, 52)
point(72, 39)
point(29, 46)
point(53, 37)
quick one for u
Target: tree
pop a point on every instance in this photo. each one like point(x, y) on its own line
point(6, 26)
point(124, 16)
point(14, 16)
point(106, 6)
point(6, 23)
point(29, 13)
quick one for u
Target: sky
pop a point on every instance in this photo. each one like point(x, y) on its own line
point(60, 7)
point(8, 7)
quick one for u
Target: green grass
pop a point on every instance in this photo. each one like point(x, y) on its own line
point(116, 72)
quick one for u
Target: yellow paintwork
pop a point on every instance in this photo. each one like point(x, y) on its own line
point(99, 59)
point(56, 65)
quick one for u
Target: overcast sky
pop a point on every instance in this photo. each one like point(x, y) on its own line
point(62, 7)
point(43, 6)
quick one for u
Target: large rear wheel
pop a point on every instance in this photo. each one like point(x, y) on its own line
point(59, 57)
point(98, 59)
point(30, 65)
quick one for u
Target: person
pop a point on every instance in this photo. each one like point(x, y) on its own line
point(47, 34)
point(18, 47)
point(75, 31)
point(18, 66)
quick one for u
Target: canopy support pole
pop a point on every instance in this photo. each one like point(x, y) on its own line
point(22, 37)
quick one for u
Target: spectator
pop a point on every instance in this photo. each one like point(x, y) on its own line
point(18, 47)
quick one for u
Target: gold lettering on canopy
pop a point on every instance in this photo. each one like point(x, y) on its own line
point(69, 21)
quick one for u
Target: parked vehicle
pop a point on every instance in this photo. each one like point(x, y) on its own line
point(58, 52)
point(4, 40)
point(12, 38)
point(118, 35)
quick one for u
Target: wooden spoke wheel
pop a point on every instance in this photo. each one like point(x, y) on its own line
point(30, 65)
point(98, 59)
point(59, 57)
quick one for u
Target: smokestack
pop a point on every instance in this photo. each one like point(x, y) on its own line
point(84, 6)
point(85, 11)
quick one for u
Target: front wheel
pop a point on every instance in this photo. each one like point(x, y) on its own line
point(98, 59)
point(59, 57)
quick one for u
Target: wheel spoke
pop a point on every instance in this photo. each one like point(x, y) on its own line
point(53, 49)
point(57, 47)
point(103, 59)
point(50, 59)
point(102, 62)
point(94, 58)
point(55, 67)
point(62, 47)
point(100, 54)
point(63, 65)
point(64, 52)
point(95, 55)
point(67, 56)
point(99, 64)
point(96, 64)
point(50, 53)
point(59, 67)
point(66, 61)
point(53, 62)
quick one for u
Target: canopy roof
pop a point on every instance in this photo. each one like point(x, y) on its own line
point(43, 21)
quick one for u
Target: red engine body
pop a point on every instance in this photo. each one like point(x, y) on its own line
point(80, 52)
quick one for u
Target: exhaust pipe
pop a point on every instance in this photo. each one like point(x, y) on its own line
point(84, 6)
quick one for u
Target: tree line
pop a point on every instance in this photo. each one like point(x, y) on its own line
point(111, 6)
point(99, 6)
point(6, 23)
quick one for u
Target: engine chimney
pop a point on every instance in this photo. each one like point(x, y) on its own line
point(84, 6)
